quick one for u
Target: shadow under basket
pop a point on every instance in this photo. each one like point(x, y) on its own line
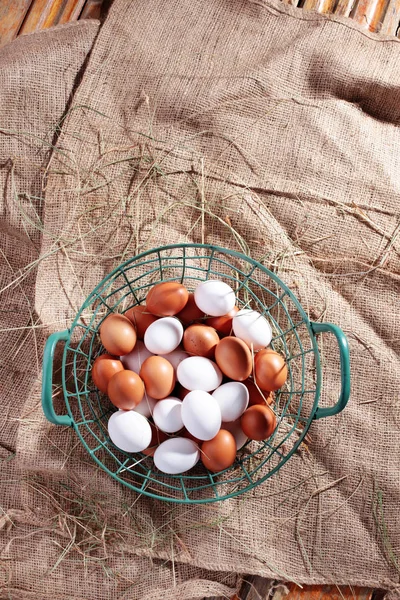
point(294, 336)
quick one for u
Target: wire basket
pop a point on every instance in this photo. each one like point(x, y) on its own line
point(294, 336)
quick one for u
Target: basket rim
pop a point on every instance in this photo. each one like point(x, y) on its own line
point(307, 323)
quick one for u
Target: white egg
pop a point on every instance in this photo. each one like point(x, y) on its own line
point(146, 406)
point(253, 328)
point(129, 430)
point(199, 373)
point(134, 360)
point(201, 415)
point(232, 398)
point(167, 415)
point(214, 298)
point(234, 428)
point(163, 336)
point(176, 357)
point(176, 455)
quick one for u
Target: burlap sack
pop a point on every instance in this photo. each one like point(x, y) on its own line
point(281, 128)
point(37, 77)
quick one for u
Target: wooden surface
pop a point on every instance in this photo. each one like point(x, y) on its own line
point(258, 588)
point(47, 13)
point(92, 9)
point(12, 15)
point(19, 17)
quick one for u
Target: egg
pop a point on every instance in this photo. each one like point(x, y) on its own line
point(270, 370)
point(253, 328)
point(117, 334)
point(234, 358)
point(256, 395)
point(146, 406)
point(129, 431)
point(223, 325)
point(158, 377)
point(215, 298)
point(199, 373)
point(232, 398)
point(167, 415)
point(103, 368)
point(157, 437)
point(163, 336)
point(134, 360)
point(125, 389)
point(191, 312)
point(235, 429)
point(176, 357)
point(176, 455)
point(141, 318)
point(220, 452)
point(200, 340)
point(201, 414)
point(258, 422)
point(167, 299)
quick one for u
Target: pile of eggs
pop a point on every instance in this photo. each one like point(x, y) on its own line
point(191, 374)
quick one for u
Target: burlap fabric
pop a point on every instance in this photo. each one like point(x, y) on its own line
point(281, 128)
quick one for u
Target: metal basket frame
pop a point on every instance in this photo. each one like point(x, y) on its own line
point(88, 409)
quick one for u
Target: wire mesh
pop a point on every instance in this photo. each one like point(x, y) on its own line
point(255, 287)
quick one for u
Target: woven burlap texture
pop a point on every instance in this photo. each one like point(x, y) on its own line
point(38, 75)
point(281, 129)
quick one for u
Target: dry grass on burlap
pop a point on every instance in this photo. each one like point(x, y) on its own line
point(247, 125)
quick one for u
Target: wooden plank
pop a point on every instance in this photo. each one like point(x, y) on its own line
point(36, 16)
point(391, 21)
point(310, 4)
point(370, 13)
point(71, 11)
point(328, 592)
point(92, 9)
point(47, 13)
point(12, 15)
point(344, 7)
point(321, 6)
point(326, 6)
point(258, 588)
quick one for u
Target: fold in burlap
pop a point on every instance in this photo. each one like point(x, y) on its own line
point(281, 128)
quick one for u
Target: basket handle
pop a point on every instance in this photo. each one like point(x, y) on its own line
point(47, 383)
point(322, 412)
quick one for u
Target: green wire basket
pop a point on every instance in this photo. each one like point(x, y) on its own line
point(294, 336)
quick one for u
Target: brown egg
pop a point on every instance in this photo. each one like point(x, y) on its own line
point(117, 335)
point(191, 312)
point(103, 368)
point(220, 452)
point(256, 396)
point(270, 370)
point(223, 324)
point(167, 299)
point(200, 340)
point(258, 422)
point(234, 359)
point(158, 376)
point(141, 318)
point(125, 389)
point(157, 437)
